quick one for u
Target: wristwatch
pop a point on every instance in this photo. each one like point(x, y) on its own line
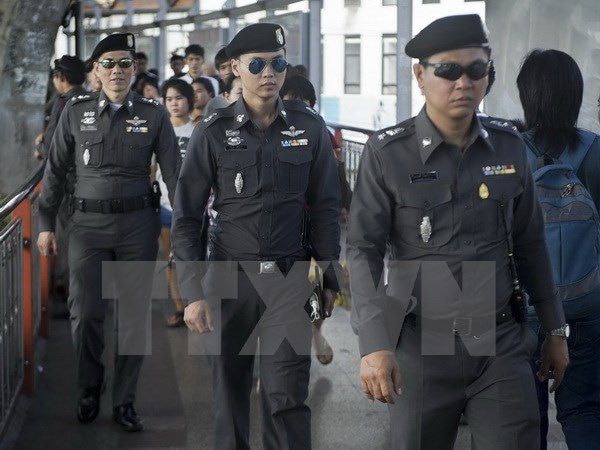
point(563, 331)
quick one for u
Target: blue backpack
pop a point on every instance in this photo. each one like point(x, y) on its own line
point(571, 219)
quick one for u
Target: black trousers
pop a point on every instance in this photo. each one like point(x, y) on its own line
point(284, 366)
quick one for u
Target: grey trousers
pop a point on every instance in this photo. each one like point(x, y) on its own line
point(495, 393)
point(284, 377)
point(93, 239)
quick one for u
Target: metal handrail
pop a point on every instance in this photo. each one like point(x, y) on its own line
point(341, 126)
point(8, 205)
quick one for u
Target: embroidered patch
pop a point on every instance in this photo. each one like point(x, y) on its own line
point(423, 176)
point(294, 142)
point(232, 133)
point(504, 169)
point(136, 129)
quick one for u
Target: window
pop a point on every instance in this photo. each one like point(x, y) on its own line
point(352, 65)
point(430, 1)
point(389, 2)
point(353, 3)
point(389, 73)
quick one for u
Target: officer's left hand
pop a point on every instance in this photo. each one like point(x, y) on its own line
point(555, 359)
point(329, 300)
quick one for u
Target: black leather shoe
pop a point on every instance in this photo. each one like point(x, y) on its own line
point(126, 416)
point(89, 404)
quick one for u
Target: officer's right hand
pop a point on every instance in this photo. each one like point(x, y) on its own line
point(47, 243)
point(197, 317)
point(380, 376)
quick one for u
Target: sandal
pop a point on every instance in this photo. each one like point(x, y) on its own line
point(176, 320)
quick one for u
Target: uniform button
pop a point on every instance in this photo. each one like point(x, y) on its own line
point(467, 242)
point(237, 164)
point(468, 206)
point(87, 142)
point(264, 236)
point(267, 211)
point(427, 204)
point(266, 141)
point(267, 165)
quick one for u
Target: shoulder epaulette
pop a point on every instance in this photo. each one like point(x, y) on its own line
point(499, 124)
point(297, 105)
point(220, 113)
point(401, 130)
point(80, 98)
point(149, 101)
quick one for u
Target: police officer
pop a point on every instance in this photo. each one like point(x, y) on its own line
point(450, 186)
point(266, 159)
point(109, 137)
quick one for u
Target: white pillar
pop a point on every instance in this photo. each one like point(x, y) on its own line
point(403, 62)
point(162, 39)
point(314, 45)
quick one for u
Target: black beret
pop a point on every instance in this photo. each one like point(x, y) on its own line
point(114, 42)
point(448, 33)
point(71, 65)
point(258, 37)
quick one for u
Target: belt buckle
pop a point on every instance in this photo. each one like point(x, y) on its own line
point(267, 267)
point(116, 205)
point(462, 326)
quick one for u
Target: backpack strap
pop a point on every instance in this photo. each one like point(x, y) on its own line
point(575, 157)
point(535, 157)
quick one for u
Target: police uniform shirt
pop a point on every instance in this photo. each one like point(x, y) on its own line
point(262, 180)
point(408, 172)
point(111, 151)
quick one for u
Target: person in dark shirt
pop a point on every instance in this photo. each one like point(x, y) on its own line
point(551, 91)
point(265, 159)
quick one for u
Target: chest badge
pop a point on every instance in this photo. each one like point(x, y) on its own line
point(239, 183)
point(426, 142)
point(136, 121)
point(86, 157)
point(425, 229)
point(292, 132)
point(484, 192)
point(240, 118)
point(234, 140)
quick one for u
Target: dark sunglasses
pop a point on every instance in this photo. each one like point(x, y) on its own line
point(108, 63)
point(257, 65)
point(453, 71)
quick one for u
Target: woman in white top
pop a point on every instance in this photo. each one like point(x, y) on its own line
point(178, 97)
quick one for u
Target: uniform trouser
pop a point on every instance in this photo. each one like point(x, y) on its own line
point(495, 393)
point(284, 377)
point(93, 239)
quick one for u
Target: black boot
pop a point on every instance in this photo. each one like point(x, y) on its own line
point(89, 404)
point(126, 416)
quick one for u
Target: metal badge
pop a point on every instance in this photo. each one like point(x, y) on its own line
point(484, 192)
point(239, 183)
point(425, 229)
point(426, 142)
point(292, 132)
point(86, 156)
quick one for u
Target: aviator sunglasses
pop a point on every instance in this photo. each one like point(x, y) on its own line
point(453, 71)
point(108, 63)
point(257, 65)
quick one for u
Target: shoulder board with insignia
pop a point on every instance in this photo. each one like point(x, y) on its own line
point(386, 135)
point(220, 113)
point(149, 101)
point(499, 124)
point(80, 98)
point(300, 106)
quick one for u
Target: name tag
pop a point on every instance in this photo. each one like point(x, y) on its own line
point(423, 177)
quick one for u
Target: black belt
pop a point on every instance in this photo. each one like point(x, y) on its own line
point(259, 267)
point(112, 206)
point(463, 326)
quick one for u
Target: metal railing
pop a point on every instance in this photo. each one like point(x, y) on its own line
point(352, 140)
point(24, 292)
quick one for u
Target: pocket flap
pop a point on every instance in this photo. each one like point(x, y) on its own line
point(426, 196)
point(91, 140)
point(295, 157)
point(237, 159)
